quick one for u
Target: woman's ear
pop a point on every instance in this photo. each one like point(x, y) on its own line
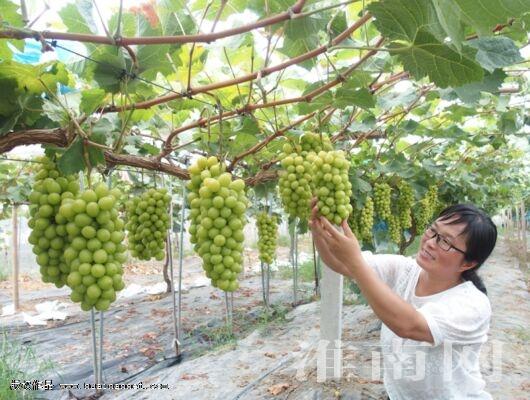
point(468, 265)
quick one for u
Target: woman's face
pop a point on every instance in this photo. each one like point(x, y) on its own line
point(444, 264)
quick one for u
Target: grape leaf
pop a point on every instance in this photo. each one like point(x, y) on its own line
point(91, 99)
point(345, 97)
point(301, 36)
point(9, 90)
point(241, 142)
point(72, 160)
point(318, 102)
point(78, 17)
point(449, 19)
point(403, 19)
point(470, 93)
point(95, 154)
point(496, 52)
point(127, 25)
point(35, 78)
point(7, 123)
point(426, 56)
point(484, 15)
point(10, 15)
point(109, 70)
point(400, 19)
point(152, 57)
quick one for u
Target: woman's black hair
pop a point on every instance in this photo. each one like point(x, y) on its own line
point(481, 236)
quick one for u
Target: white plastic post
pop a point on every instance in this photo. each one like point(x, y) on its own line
point(330, 322)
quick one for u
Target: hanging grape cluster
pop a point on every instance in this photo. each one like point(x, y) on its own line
point(217, 217)
point(147, 223)
point(295, 183)
point(332, 185)
point(382, 200)
point(432, 194)
point(405, 204)
point(95, 250)
point(426, 208)
point(267, 236)
point(48, 231)
point(366, 221)
point(394, 229)
point(313, 142)
point(353, 222)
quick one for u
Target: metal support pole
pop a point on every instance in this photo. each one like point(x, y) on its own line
point(263, 287)
point(94, 350)
point(232, 307)
point(295, 265)
point(181, 257)
point(268, 267)
point(228, 315)
point(176, 342)
point(16, 297)
point(102, 317)
point(100, 360)
point(92, 314)
point(523, 230)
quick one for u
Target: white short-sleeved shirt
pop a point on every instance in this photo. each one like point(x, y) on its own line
point(459, 321)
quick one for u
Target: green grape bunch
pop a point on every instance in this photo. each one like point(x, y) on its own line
point(405, 204)
point(217, 218)
point(394, 229)
point(332, 186)
point(48, 227)
point(268, 236)
point(432, 194)
point(294, 183)
point(353, 222)
point(313, 142)
point(426, 208)
point(366, 220)
point(95, 250)
point(382, 200)
point(148, 222)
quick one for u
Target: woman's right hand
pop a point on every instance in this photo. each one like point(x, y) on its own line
point(322, 239)
point(339, 251)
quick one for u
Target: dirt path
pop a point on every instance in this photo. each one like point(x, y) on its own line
point(138, 330)
point(273, 361)
point(280, 363)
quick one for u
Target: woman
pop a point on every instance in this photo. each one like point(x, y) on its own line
point(435, 310)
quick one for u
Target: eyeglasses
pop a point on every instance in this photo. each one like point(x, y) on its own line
point(442, 242)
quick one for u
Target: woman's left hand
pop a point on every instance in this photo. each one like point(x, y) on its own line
point(341, 252)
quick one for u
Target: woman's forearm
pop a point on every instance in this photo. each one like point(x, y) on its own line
point(396, 313)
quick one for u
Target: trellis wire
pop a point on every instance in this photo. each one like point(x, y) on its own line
point(124, 72)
